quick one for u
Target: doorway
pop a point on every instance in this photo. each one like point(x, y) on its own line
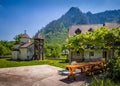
point(104, 54)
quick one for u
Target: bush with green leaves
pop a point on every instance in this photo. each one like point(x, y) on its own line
point(104, 82)
point(5, 47)
point(53, 50)
point(114, 69)
point(113, 76)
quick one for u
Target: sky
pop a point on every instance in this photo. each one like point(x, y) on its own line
point(32, 15)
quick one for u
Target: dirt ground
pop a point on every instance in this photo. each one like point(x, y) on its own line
point(40, 75)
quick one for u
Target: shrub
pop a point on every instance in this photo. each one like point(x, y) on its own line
point(104, 82)
point(53, 50)
point(114, 69)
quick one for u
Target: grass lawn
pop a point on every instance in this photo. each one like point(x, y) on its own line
point(7, 62)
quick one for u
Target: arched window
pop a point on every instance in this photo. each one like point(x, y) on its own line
point(90, 29)
point(78, 31)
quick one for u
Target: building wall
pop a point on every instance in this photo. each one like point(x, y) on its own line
point(15, 55)
point(30, 52)
point(23, 54)
point(24, 40)
point(78, 56)
point(87, 56)
point(97, 55)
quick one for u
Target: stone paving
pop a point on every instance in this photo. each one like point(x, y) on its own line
point(40, 75)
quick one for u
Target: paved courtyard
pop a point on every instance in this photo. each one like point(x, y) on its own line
point(40, 75)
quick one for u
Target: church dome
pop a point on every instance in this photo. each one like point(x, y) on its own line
point(25, 35)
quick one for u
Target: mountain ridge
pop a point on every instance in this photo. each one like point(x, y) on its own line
point(56, 31)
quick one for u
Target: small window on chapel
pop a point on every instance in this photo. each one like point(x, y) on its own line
point(78, 31)
point(91, 53)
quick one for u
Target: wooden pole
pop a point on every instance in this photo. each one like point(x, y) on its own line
point(70, 57)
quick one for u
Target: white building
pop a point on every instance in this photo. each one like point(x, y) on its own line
point(24, 50)
point(89, 54)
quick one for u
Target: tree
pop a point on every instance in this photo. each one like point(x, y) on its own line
point(4, 50)
point(98, 37)
point(52, 50)
point(112, 39)
point(76, 41)
point(5, 47)
point(17, 38)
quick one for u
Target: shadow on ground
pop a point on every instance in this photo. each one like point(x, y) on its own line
point(78, 77)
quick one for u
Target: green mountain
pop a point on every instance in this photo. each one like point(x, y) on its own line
point(57, 30)
point(107, 16)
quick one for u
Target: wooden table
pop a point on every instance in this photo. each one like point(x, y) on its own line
point(73, 67)
point(83, 66)
point(96, 66)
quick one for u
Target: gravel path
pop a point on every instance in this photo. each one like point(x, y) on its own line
point(40, 75)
